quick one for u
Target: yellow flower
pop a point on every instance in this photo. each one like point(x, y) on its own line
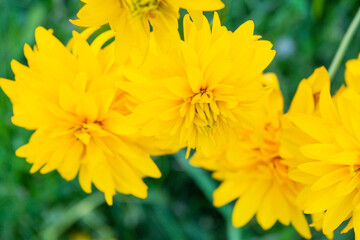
point(130, 19)
point(68, 96)
point(198, 92)
point(330, 160)
point(252, 170)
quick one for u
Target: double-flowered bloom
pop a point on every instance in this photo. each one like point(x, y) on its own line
point(203, 88)
point(329, 158)
point(67, 95)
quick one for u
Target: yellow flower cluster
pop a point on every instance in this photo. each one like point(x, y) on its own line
point(99, 110)
point(253, 164)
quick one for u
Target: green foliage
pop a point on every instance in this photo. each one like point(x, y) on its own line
point(306, 34)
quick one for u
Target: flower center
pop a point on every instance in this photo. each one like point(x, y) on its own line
point(206, 111)
point(84, 132)
point(138, 8)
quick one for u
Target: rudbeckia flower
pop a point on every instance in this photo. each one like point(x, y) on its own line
point(330, 160)
point(130, 19)
point(200, 91)
point(253, 171)
point(67, 96)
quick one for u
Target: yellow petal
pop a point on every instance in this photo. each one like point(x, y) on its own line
point(330, 179)
point(200, 5)
point(87, 109)
point(311, 125)
point(246, 207)
point(72, 160)
point(228, 191)
point(265, 215)
point(356, 223)
point(47, 43)
point(337, 214)
point(144, 164)
point(318, 168)
point(300, 223)
point(197, 17)
point(348, 227)
point(118, 124)
point(320, 151)
point(85, 179)
point(327, 108)
point(195, 78)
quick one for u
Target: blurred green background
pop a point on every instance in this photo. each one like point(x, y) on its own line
point(306, 35)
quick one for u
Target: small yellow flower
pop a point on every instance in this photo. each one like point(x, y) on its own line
point(253, 171)
point(130, 19)
point(199, 92)
point(67, 95)
point(329, 165)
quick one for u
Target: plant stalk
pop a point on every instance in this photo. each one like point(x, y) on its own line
point(339, 56)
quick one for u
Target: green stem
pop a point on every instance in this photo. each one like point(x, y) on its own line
point(207, 185)
point(72, 215)
point(344, 45)
point(232, 232)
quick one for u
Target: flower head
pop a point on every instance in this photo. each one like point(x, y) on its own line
point(253, 171)
point(130, 19)
point(329, 165)
point(197, 93)
point(68, 97)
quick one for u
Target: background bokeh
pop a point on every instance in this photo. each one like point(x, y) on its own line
point(306, 35)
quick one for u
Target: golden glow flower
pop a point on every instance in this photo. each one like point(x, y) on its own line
point(130, 19)
point(330, 160)
point(199, 92)
point(67, 95)
point(253, 171)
